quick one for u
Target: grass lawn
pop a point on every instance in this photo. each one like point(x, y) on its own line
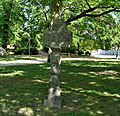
point(20, 57)
point(89, 88)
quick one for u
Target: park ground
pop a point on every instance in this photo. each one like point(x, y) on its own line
point(90, 87)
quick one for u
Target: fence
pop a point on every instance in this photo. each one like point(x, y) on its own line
point(105, 53)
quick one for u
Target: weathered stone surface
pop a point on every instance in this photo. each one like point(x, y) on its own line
point(2, 51)
point(55, 102)
point(57, 23)
point(54, 89)
point(59, 36)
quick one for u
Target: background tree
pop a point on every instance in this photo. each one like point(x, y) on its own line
point(5, 16)
point(85, 18)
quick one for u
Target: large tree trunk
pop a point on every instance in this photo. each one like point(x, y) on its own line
point(117, 52)
point(49, 52)
point(5, 29)
point(78, 48)
point(54, 14)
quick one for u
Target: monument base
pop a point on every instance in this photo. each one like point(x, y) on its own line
point(55, 102)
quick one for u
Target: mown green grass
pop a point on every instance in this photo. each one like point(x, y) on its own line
point(15, 57)
point(19, 57)
point(89, 88)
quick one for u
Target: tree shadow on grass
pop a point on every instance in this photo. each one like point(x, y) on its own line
point(86, 89)
point(22, 89)
point(92, 88)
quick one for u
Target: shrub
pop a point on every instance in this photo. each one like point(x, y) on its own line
point(46, 49)
point(72, 50)
point(87, 53)
point(80, 52)
point(25, 51)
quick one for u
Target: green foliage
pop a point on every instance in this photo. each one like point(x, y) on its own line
point(35, 16)
point(25, 51)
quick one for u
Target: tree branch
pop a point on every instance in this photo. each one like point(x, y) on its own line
point(46, 18)
point(103, 13)
point(45, 15)
point(83, 14)
point(88, 4)
point(86, 13)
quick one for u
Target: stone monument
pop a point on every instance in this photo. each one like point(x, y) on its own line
point(2, 52)
point(57, 38)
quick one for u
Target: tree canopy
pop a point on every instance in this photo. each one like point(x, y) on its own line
point(93, 23)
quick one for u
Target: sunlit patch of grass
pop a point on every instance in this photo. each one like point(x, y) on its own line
point(89, 88)
point(39, 81)
point(108, 74)
point(17, 57)
point(26, 111)
point(12, 74)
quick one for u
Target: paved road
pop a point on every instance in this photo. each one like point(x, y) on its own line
point(40, 60)
point(104, 56)
point(22, 62)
